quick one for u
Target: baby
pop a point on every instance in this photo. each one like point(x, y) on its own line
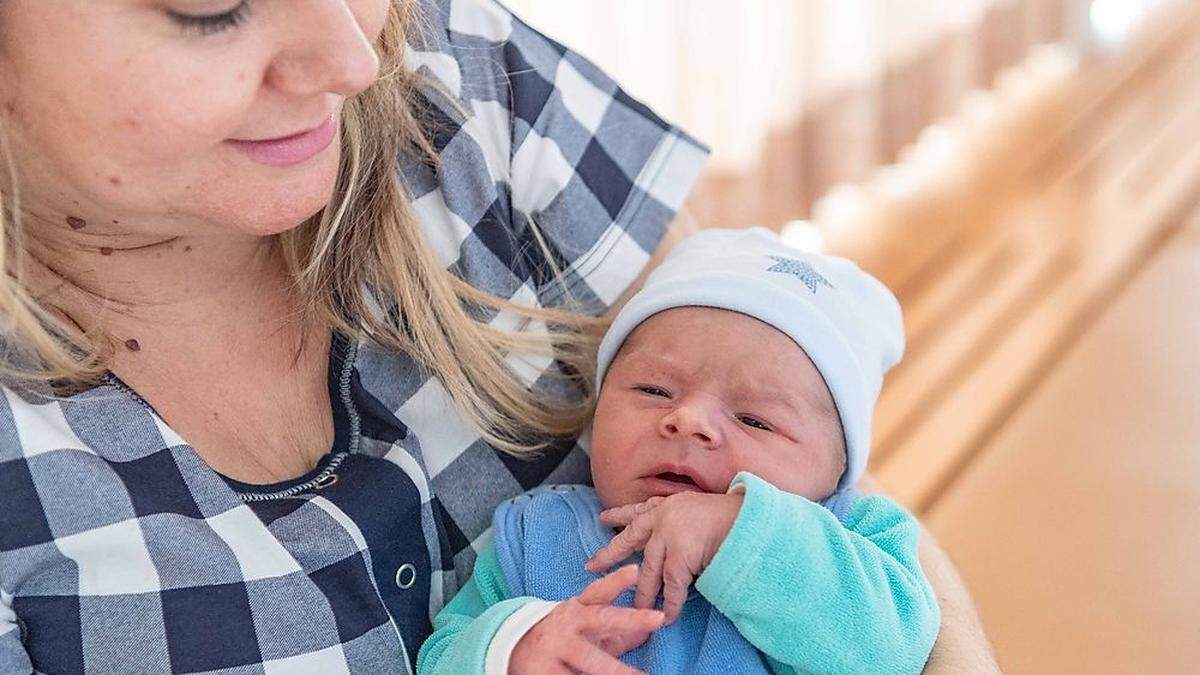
point(732, 423)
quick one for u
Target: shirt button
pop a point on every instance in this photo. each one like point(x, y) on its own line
point(406, 576)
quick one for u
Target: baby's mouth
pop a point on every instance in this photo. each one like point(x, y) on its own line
point(677, 478)
point(665, 483)
point(669, 478)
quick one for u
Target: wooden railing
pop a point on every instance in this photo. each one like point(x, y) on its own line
point(841, 130)
point(1002, 266)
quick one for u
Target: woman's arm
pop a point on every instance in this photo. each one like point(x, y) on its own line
point(683, 225)
point(961, 646)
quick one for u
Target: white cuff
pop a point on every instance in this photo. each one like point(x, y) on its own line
point(514, 628)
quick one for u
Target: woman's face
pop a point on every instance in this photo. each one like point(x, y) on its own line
point(124, 114)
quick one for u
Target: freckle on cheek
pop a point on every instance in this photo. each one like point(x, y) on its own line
point(132, 345)
point(76, 223)
point(114, 180)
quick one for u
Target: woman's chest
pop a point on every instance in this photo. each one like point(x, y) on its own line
point(127, 536)
point(205, 583)
point(250, 425)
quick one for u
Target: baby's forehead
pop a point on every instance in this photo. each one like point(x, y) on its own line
point(681, 361)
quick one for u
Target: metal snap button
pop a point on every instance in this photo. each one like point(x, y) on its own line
point(406, 576)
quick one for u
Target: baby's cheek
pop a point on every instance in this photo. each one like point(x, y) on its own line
point(811, 472)
point(604, 460)
point(825, 470)
point(721, 469)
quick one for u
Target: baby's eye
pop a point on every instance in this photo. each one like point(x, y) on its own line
point(751, 422)
point(653, 391)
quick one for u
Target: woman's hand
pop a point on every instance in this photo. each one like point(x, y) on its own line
point(680, 534)
point(586, 633)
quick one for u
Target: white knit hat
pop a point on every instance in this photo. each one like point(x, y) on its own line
point(847, 322)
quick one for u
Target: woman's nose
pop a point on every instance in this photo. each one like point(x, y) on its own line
point(326, 52)
point(695, 420)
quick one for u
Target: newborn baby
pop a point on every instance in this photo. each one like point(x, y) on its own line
point(732, 423)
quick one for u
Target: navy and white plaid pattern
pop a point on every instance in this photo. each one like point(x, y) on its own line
point(122, 551)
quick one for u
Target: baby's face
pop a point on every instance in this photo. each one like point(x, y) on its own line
point(697, 394)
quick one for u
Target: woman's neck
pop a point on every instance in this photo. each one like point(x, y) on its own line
point(151, 273)
point(207, 330)
point(177, 306)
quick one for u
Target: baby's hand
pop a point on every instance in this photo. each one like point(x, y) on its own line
point(680, 534)
point(586, 633)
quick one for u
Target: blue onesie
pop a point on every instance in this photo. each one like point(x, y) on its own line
point(793, 589)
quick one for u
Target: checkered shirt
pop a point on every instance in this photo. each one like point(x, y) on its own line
point(122, 551)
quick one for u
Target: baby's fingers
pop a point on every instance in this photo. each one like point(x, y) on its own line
point(631, 539)
point(585, 657)
point(619, 643)
point(676, 578)
point(623, 515)
point(605, 590)
point(606, 621)
point(650, 575)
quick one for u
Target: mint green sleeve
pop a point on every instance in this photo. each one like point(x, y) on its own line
point(465, 627)
point(819, 596)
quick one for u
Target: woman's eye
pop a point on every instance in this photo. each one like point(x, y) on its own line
point(213, 23)
point(653, 391)
point(751, 422)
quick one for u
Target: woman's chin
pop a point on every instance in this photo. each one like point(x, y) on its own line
point(280, 206)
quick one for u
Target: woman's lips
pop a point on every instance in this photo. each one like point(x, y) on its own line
point(291, 149)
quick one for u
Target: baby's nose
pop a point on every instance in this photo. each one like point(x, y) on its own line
point(697, 421)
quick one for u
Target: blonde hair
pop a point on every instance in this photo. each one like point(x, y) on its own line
point(363, 265)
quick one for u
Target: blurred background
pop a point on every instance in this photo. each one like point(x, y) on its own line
point(1025, 175)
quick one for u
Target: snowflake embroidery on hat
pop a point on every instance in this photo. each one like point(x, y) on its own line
point(803, 271)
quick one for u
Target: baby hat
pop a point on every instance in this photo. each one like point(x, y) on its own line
point(847, 322)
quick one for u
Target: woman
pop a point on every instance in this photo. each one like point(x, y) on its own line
point(250, 422)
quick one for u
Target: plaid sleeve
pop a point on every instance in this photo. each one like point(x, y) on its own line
point(13, 657)
point(598, 173)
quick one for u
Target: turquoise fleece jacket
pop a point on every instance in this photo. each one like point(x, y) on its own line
point(808, 593)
